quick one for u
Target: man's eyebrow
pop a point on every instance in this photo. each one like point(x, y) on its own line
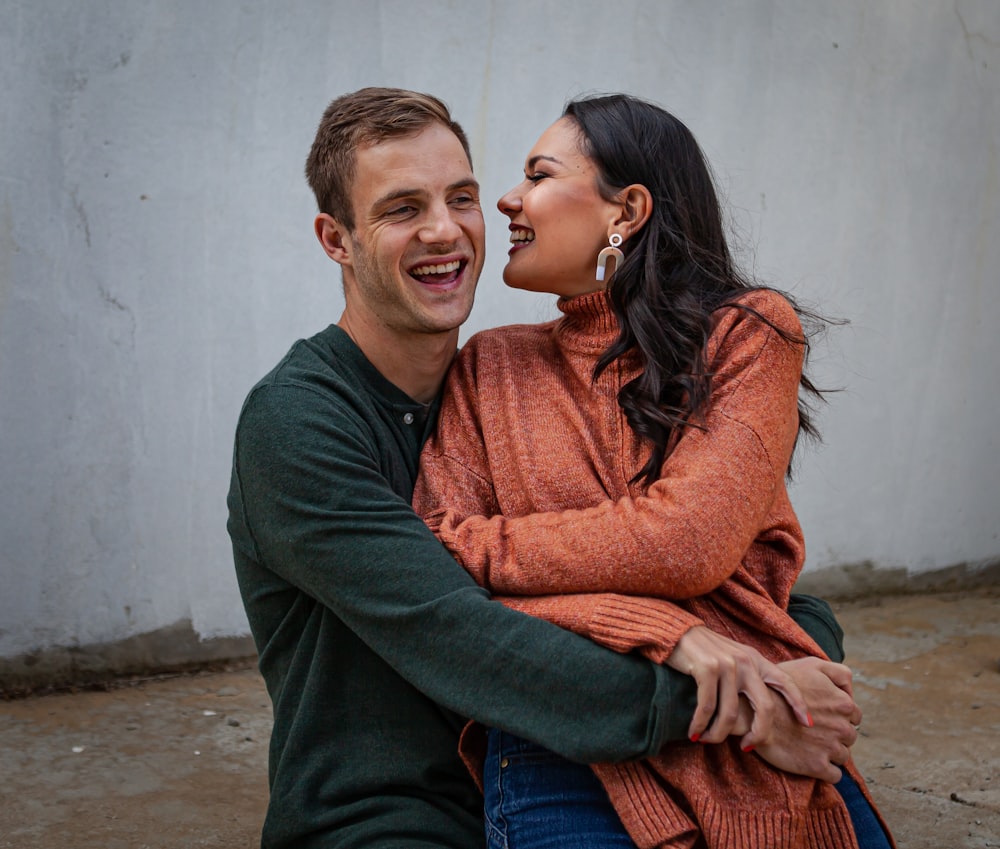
point(403, 194)
point(469, 183)
point(392, 197)
point(534, 160)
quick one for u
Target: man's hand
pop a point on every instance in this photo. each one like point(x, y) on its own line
point(817, 751)
point(724, 671)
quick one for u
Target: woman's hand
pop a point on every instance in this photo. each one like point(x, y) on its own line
point(725, 670)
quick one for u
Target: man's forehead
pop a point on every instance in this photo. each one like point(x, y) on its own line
point(432, 146)
point(430, 161)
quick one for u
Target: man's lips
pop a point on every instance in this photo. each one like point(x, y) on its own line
point(441, 273)
point(438, 268)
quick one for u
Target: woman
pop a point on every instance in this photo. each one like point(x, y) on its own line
point(631, 452)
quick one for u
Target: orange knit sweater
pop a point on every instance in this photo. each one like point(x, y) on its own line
point(527, 484)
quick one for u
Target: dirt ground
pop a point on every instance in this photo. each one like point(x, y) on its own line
point(181, 761)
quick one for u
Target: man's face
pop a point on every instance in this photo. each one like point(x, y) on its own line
point(418, 244)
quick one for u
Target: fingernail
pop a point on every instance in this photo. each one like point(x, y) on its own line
point(695, 738)
point(809, 717)
point(747, 748)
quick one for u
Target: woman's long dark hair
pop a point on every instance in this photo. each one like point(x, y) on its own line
point(677, 269)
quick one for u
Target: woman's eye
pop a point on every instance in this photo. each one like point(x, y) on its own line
point(536, 177)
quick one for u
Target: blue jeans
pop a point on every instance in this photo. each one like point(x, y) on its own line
point(535, 799)
point(867, 828)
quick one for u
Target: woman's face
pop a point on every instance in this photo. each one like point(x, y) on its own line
point(558, 220)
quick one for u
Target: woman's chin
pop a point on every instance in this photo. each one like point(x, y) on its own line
point(518, 281)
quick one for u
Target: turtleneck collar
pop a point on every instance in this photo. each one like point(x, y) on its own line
point(588, 321)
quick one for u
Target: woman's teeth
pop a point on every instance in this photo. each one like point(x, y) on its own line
point(517, 236)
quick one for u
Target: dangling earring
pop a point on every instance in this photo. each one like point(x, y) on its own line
point(610, 251)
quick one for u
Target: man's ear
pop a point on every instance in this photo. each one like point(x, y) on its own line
point(335, 238)
point(636, 207)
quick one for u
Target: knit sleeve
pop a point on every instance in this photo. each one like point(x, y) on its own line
point(692, 528)
point(454, 473)
point(622, 623)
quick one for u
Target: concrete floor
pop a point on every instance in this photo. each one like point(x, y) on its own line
point(181, 761)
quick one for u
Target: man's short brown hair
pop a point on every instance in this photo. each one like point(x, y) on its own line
point(362, 119)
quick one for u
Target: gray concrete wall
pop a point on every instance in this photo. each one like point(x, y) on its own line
point(156, 258)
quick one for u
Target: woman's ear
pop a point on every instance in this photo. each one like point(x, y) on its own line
point(636, 207)
point(334, 238)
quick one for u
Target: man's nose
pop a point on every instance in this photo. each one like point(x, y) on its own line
point(441, 225)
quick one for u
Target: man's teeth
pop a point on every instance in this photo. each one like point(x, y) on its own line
point(522, 236)
point(445, 268)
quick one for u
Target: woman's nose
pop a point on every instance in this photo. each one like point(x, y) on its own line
point(510, 203)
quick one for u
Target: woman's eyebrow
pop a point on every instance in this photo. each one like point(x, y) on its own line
point(534, 160)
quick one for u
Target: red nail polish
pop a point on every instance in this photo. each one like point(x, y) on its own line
point(695, 738)
point(747, 748)
point(810, 718)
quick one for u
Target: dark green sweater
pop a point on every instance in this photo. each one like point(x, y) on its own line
point(374, 644)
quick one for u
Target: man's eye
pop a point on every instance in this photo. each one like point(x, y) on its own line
point(463, 200)
point(401, 210)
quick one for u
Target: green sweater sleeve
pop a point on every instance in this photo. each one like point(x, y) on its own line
point(815, 617)
point(311, 499)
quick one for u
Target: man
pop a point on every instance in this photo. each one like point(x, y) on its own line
point(373, 642)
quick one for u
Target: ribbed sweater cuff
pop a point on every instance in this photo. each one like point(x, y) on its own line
point(655, 820)
point(828, 828)
point(653, 626)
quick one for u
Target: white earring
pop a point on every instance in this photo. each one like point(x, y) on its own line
point(610, 251)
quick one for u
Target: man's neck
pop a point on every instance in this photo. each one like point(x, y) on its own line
point(415, 362)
